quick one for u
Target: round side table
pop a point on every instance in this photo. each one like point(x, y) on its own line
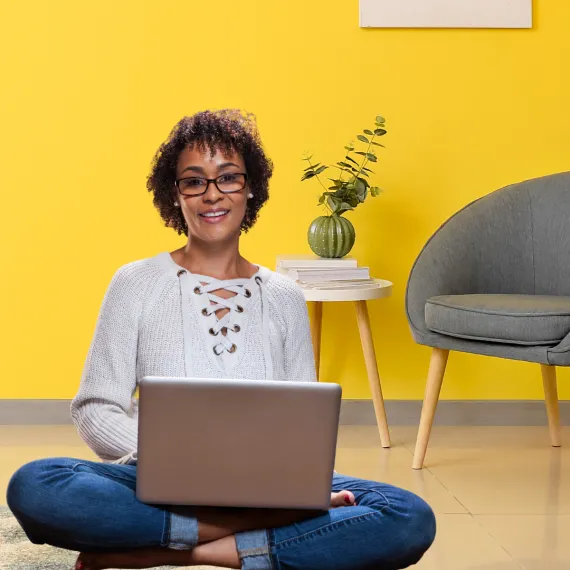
point(359, 296)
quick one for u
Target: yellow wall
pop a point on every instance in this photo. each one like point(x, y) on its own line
point(89, 90)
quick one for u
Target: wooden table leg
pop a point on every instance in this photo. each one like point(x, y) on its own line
point(372, 369)
point(316, 327)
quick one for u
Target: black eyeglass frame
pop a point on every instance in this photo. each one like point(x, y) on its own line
point(208, 181)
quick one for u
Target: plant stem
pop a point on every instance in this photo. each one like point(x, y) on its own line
point(365, 158)
point(316, 175)
point(321, 183)
point(342, 169)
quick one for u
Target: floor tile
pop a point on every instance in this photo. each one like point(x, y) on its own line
point(471, 438)
point(463, 544)
point(501, 470)
point(368, 436)
point(536, 542)
point(393, 466)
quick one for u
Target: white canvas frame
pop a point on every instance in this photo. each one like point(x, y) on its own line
point(446, 13)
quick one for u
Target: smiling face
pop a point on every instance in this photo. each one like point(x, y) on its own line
point(213, 216)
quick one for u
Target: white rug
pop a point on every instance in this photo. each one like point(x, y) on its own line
point(18, 553)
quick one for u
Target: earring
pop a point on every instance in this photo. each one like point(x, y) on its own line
point(176, 204)
point(250, 195)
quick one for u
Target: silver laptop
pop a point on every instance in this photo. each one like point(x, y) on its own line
point(238, 443)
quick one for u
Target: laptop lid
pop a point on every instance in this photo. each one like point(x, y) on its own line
point(240, 443)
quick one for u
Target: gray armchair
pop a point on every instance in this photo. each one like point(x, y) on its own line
point(495, 280)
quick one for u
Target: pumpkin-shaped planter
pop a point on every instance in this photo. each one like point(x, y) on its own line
point(331, 236)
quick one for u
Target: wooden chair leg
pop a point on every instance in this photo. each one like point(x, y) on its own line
point(551, 400)
point(316, 326)
point(433, 386)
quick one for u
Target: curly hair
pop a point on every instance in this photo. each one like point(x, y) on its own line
point(226, 130)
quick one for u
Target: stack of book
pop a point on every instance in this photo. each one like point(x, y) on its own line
point(322, 273)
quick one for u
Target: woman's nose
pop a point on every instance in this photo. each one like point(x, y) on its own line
point(212, 193)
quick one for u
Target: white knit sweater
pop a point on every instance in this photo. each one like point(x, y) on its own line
point(158, 319)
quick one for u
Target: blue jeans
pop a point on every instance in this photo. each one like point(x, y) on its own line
point(90, 506)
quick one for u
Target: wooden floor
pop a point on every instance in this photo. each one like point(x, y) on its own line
point(501, 495)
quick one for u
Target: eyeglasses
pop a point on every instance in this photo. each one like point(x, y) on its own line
point(226, 184)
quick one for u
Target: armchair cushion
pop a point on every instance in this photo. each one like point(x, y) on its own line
point(529, 320)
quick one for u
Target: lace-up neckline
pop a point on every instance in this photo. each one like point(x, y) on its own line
point(226, 347)
point(237, 286)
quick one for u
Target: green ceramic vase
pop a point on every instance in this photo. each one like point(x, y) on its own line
point(331, 236)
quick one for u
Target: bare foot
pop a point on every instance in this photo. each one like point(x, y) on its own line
point(342, 499)
point(136, 558)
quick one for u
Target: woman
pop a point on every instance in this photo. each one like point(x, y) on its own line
point(203, 311)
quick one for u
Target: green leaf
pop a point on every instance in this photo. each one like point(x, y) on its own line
point(365, 182)
point(349, 148)
point(370, 155)
point(375, 191)
point(362, 173)
point(307, 175)
point(312, 166)
point(352, 160)
point(362, 138)
point(367, 132)
point(359, 186)
point(367, 169)
point(380, 119)
point(362, 197)
point(344, 164)
point(333, 204)
point(361, 153)
point(322, 199)
point(321, 169)
point(380, 132)
point(340, 195)
point(378, 144)
point(343, 207)
point(372, 158)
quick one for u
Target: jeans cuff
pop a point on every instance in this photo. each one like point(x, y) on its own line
point(253, 550)
point(183, 532)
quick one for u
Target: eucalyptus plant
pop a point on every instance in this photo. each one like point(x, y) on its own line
point(351, 187)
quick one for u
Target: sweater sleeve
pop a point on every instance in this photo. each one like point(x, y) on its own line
point(298, 350)
point(101, 410)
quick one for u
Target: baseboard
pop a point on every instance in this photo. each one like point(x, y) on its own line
point(456, 412)
point(353, 412)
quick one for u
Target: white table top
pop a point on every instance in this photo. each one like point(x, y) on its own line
point(381, 288)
